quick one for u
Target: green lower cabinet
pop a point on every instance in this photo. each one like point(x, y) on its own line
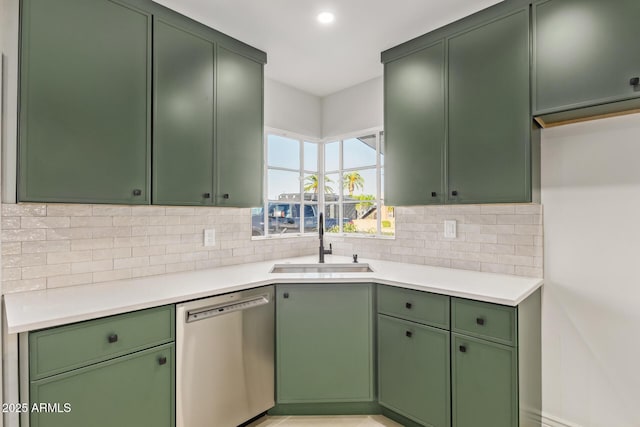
point(324, 343)
point(484, 379)
point(413, 371)
point(130, 391)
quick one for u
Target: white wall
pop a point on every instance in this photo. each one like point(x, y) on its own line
point(356, 108)
point(291, 109)
point(591, 305)
point(9, 47)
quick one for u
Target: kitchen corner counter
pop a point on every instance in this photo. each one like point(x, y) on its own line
point(27, 311)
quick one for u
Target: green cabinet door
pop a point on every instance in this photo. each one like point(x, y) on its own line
point(413, 371)
point(584, 52)
point(84, 102)
point(324, 343)
point(415, 127)
point(130, 391)
point(489, 120)
point(484, 383)
point(183, 117)
point(239, 130)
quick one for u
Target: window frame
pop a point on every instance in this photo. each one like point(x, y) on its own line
point(321, 204)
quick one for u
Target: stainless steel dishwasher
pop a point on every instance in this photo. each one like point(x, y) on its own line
point(225, 359)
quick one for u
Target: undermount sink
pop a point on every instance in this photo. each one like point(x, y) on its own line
point(321, 268)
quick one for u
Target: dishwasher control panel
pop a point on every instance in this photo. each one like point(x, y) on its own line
point(217, 310)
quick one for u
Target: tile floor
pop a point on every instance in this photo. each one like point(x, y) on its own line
point(326, 421)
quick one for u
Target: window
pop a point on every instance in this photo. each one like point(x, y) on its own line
point(354, 204)
point(291, 199)
point(348, 189)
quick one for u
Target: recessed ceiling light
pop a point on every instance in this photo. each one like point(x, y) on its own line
point(326, 18)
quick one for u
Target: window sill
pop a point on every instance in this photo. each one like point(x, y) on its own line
point(327, 236)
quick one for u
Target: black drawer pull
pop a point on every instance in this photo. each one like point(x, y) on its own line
point(480, 321)
point(434, 194)
point(408, 305)
point(454, 193)
point(225, 196)
point(635, 81)
point(162, 360)
point(207, 195)
point(113, 338)
point(137, 192)
point(463, 349)
point(286, 295)
point(409, 334)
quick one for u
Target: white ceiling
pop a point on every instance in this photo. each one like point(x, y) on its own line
point(323, 59)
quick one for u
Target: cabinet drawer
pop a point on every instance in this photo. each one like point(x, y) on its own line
point(485, 320)
point(422, 307)
point(132, 390)
point(56, 350)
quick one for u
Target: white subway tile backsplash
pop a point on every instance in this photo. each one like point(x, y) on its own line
point(84, 244)
point(10, 286)
point(130, 242)
point(70, 210)
point(132, 262)
point(22, 210)
point(68, 233)
point(91, 266)
point(48, 246)
point(23, 235)
point(128, 221)
point(101, 254)
point(59, 245)
point(67, 257)
point(111, 210)
point(45, 271)
point(13, 248)
point(92, 221)
point(11, 223)
point(69, 280)
point(107, 276)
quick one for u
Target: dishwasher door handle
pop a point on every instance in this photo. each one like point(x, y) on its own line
point(208, 312)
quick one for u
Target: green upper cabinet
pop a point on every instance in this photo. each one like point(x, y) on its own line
point(458, 121)
point(414, 104)
point(183, 135)
point(489, 123)
point(126, 101)
point(585, 52)
point(84, 102)
point(239, 130)
point(324, 343)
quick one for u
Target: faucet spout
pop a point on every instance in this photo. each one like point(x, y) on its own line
point(322, 251)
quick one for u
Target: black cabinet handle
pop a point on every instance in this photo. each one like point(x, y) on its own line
point(408, 305)
point(409, 334)
point(434, 194)
point(463, 349)
point(207, 195)
point(225, 196)
point(454, 193)
point(137, 192)
point(162, 360)
point(286, 295)
point(480, 321)
point(635, 81)
point(113, 338)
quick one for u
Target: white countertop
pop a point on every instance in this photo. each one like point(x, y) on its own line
point(28, 311)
